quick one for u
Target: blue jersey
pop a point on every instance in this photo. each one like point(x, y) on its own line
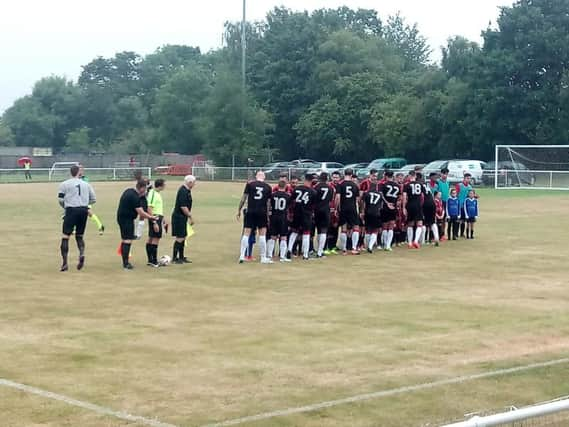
point(453, 207)
point(471, 208)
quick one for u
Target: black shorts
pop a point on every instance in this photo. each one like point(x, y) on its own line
point(462, 213)
point(322, 219)
point(471, 220)
point(373, 222)
point(75, 219)
point(430, 216)
point(350, 219)
point(153, 234)
point(388, 215)
point(278, 226)
point(179, 226)
point(126, 225)
point(255, 220)
point(414, 213)
point(302, 222)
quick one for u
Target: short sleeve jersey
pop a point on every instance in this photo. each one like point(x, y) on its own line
point(365, 185)
point(303, 199)
point(280, 202)
point(129, 202)
point(372, 200)
point(415, 192)
point(391, 191)
point(324, 195)
point(154, 199)
point(348, 191)
point(429, 200)
point(183, 199)
point(258, 194)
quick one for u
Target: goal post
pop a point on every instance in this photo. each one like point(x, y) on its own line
point(60, 170)
point(539, 167)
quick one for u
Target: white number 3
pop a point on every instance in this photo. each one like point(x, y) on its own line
point(259, 193)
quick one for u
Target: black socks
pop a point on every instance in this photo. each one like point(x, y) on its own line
point(80, 245)
point(64, 249)
point(125, 250)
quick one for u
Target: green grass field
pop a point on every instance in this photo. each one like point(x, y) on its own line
point(214, 341)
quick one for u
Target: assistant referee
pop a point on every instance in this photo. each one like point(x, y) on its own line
point(75, 196)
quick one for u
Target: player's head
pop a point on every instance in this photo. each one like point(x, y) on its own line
point(348, 174)
point(400, 177)
point(471, 194)
point(159, 184)
point(308, 179)
point(323, 177)
point(75, 171)
point(189, 181)
point(444, 173)
point(412, 176)
point(373, 172)
point(433, 176)
point(373, 178)
point(335, 176)
point(293, 181)
point(260, 176)
point(453, 192)
point(388, 174)
point(418, 168)
point(437, 195)
point(141, 187)
point(282, 185)
point(418, 176)
point(81, 170)
point(283, 177)
point(467, 178)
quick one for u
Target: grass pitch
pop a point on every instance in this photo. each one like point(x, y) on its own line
point(199, 344)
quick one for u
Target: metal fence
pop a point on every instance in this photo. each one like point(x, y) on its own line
point(93, 174)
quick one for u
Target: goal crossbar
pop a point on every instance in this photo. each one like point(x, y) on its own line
point(515, 415)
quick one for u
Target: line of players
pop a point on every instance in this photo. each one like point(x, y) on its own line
point(375, 213)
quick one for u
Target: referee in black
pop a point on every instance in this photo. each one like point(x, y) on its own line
point(130, 207)
point(180, 216)
point(75, 196)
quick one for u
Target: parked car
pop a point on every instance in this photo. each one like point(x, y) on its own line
point(301, 166)
point(327, 167)
point(457, 169)
point(388, 163)
point(509, 174)
point(355, 166)
point(408, 168)
point(273, 170)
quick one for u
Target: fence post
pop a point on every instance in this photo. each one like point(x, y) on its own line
point(114, 174)
point(550, 179)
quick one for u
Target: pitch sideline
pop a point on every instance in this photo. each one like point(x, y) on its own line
point(101, 410)
point(386, 393)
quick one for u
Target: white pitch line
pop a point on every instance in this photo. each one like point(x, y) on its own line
point(386, 393)
point(101, 410)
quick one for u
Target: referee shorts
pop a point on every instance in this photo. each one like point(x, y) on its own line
point(126, 226)
point(75, 219)
point(179, 226)
point(153, 234)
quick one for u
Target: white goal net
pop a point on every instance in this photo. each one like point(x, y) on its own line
point(530, 166)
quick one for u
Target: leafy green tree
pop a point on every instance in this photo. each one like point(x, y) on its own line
point(408, 40)
point(7, 138)
point(78, 141)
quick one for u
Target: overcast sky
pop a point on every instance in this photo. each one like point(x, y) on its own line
point(40, 38)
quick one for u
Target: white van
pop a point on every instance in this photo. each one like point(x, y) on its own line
point(457, 169)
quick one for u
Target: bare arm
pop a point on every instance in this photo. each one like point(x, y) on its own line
point(143, 215)
point(92, 197)
point(241, 204)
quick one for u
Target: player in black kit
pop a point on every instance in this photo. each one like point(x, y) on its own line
point(257, 195)
point(324, 195)
point(278, 224)
point(303, 198)
point(347, 201)
point(372, 202)
point(390, 192)
point(413, 194)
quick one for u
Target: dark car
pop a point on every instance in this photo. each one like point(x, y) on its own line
point(273, 170)
point(510, 174)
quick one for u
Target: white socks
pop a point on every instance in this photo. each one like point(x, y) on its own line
point(283, 249)
point(343, 241)
point(244, 246)
point(423, 234)
point(418, 233)
point(305, 245)
point(139, 229)
point(321, 243)
point(384, 238)
point(271, 248)
point(372, 241)
point(292, 241)
point(435, 230)
point(355, 240)
point(389, 239)
point(409, 235)
point(263, 247)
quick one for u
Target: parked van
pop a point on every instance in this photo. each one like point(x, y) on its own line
point(457, 169)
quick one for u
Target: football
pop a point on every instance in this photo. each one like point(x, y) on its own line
point(165, 260)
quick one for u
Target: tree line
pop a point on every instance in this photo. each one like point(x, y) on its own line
point(334, 84)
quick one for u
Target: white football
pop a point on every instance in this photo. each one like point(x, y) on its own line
point(165, 260)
